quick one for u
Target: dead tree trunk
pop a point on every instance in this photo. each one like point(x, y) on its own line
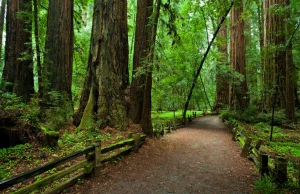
point(202, 62)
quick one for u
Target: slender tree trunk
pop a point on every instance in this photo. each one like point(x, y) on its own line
point(85, 93)
point(37, 47)
point(109, 59)
point(186, 105)
point(18, 72)
point(238, 95)
point(141, 51)
point(146, 121)
point(2, 15)
point(59, 47)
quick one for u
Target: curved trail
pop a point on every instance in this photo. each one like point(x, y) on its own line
point(200, 158)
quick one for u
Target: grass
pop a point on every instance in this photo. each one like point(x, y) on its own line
point(170, 115)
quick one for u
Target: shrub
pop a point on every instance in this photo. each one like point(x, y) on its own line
point(265, 186)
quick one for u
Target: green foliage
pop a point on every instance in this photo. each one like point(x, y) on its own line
point(27, 113)
point(251, 115)
point(287, 148)
point(265, 186)
point(3, 174)
point(59, 112)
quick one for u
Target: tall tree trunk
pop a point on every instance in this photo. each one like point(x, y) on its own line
point(109, 55)
point(269, 63)
point(280, 55)
point(18, 67)
point(59, 47)
point(238, 93)
point(2, 15)
point(290, 71)
point(141, 51)
point(146, 122)
point(37, 46)
point(278, 63)
point(222, 81)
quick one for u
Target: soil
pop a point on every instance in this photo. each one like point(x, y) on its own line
point(199, 158)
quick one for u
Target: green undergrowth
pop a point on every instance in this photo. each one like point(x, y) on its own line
point(15, 159)
point(162, 117)
point(285, 142)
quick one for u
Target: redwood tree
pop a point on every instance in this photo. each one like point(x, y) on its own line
point(3, 8)
point(146, 122)
point(18, 53)
point(222, 82)
point(109, 72)
point(238, 92)
point(57, 69)
point(279, 77)
point(141, 51)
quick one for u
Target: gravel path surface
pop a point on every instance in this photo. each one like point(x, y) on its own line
point(200, 158)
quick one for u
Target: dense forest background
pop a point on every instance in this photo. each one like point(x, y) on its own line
point(101, 63)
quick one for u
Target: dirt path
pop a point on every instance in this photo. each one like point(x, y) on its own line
point(200, 158)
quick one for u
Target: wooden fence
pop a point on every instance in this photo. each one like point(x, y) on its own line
point(169, 126)
point(277, 165)
point(90, 165)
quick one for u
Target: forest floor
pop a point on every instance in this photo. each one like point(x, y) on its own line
point(199, 158)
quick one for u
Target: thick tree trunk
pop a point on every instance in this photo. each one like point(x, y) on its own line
point(280, 54)
point(141, 51)
point(238, 93)
point(269, 63)
point(278, 62)
point(2, 14)
point(290, 71)
point(109, 58)
point(59, 48)
point(222, 81)
point(18, 72)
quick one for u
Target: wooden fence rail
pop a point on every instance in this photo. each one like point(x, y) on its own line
point(169, 126)
point(92, 163)
point(262, 160)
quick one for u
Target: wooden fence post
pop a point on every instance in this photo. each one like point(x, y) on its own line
point(281, 169)
point(246, 147)
point(264, 162)
point(234, 131)
point(137, 140)
point(174, 125)
point(97, 157)
point(169, 127)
